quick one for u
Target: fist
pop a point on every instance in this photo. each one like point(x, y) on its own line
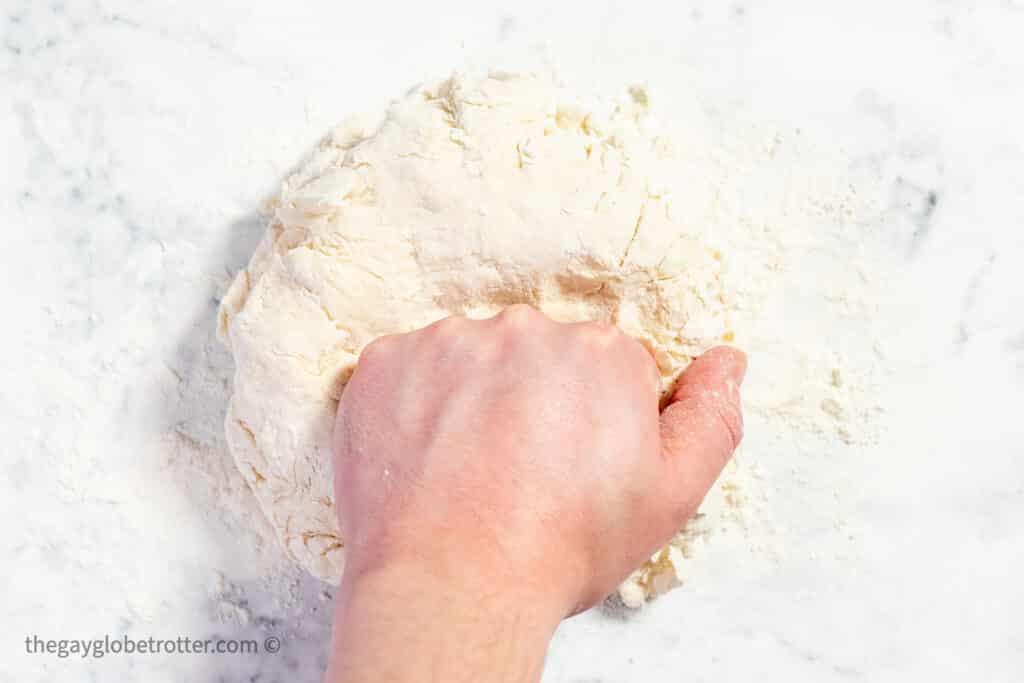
point(521, 454)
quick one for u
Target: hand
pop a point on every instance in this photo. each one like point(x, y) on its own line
point(519, 462)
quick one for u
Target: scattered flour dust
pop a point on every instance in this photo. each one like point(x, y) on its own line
point(787, 226)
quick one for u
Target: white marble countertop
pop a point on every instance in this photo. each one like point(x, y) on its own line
point(138, 139)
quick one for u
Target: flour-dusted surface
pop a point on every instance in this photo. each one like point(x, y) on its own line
point(493, 188)
point(137, 140)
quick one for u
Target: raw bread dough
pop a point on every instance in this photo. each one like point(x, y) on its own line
point(467, 196)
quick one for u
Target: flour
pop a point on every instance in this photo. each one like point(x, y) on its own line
point(486, 190)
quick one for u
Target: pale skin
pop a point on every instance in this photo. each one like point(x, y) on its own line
point(494, 477)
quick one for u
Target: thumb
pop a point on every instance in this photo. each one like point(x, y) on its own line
point(702, 425)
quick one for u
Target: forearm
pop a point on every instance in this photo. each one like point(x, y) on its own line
point(396, 625)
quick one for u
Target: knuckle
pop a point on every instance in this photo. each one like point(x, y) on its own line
point(600, 333)
point(518, 318)
point(726, 413)
point(647, 364)
point(376, 348)
point(446, 326)
point(517, 313)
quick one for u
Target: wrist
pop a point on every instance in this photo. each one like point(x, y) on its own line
point(478, 567)
point(464, 625)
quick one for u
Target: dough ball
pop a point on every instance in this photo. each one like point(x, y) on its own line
point(465, 197)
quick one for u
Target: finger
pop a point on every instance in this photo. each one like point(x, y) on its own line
point(702, 425)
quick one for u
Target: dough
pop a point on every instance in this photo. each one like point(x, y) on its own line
point(467, 196)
